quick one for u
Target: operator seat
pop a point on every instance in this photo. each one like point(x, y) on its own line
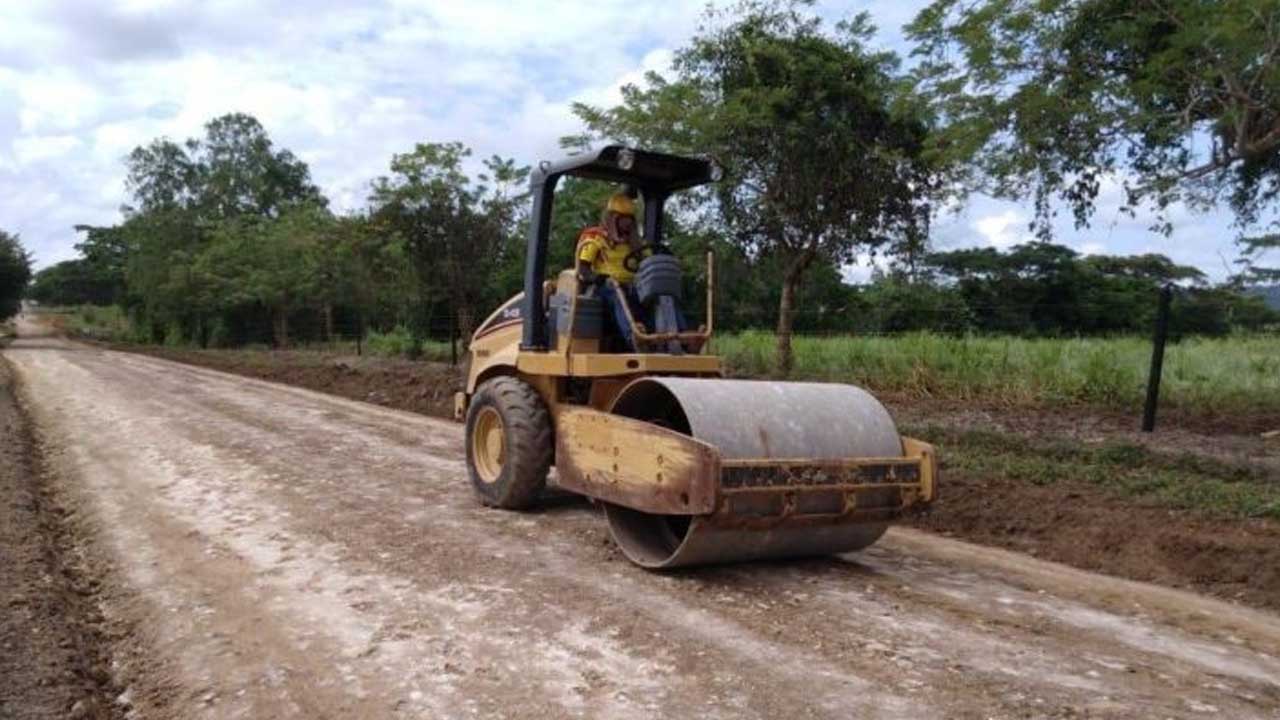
point(659, 287)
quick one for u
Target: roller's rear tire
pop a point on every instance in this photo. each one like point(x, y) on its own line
point(509, 443)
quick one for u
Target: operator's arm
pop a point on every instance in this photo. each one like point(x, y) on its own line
point(587, 255)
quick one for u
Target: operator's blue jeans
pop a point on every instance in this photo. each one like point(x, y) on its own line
point(613, 305)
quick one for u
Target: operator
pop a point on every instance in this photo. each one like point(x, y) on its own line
point(602, 251)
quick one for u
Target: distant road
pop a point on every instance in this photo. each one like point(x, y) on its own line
point(285, 553)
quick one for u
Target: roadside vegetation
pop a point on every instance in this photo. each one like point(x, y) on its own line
point(1204, 377)
point(1183, 481)
point(1213, 375)
point(109, 323)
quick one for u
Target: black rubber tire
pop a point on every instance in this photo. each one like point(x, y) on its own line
point(527, 436)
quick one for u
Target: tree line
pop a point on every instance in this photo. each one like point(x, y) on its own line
point(832, 151)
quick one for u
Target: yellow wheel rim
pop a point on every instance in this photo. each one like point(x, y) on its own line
point(488, 445)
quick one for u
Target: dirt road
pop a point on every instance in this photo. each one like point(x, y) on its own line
point(284, 553)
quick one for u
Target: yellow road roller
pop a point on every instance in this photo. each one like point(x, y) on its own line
point(690, 468)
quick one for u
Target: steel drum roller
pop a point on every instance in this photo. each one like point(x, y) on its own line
point(759, 420)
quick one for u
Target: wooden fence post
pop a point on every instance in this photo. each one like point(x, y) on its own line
point(1157, 359)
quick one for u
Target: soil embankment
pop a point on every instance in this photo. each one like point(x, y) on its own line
point(54, 655)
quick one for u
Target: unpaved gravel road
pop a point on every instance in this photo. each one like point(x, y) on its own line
point(289, 554)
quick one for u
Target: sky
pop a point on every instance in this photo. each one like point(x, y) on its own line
point(347, 85)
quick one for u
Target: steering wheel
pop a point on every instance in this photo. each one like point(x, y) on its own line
point(632, 261)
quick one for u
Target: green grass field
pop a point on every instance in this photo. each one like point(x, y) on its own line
point(1217, 375)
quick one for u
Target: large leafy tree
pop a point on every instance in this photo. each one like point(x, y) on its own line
point(183, 196)
point(457, 228)
point(15, 273)
point(242, 173)
point(1178, 100)
point(234, 170)
point(823, 146)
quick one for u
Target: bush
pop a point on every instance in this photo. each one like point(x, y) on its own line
point(395, 343)
point(399, 342)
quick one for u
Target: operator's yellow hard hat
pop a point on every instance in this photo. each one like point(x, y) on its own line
point(621, 204)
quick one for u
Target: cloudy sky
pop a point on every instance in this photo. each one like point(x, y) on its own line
point(345, 85)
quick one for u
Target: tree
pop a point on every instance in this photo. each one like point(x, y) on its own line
point(230, 180)
point(1177, 99)
point(70, 282)
point(162, 176)
point(1254, 249)
point(241, 172)
point(457, 230)
point(161, 295)
point(105, 254)
point(1048, 289)
point(823, 145)
point(275, 263)
point(371, 273)
point(233, 170)
point(15, 273)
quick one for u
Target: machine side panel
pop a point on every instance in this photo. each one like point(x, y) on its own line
point(635, 464)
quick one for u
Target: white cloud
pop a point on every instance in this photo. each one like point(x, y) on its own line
point(28, 149)
point(1002, 230)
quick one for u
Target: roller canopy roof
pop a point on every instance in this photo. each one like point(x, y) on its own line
point(616, 163)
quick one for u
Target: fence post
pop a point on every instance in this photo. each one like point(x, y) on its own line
point(1157, 359)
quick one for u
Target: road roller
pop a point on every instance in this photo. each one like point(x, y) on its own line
point(689, 467)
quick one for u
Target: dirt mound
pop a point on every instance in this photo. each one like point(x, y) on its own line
point(1077, 524)
point(53, 657)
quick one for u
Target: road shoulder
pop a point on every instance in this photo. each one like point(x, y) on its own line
point(54, 651)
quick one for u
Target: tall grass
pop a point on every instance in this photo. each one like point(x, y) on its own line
point(1212, 374)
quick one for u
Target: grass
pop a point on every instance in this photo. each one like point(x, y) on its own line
point(1208, 374)
point(1183, 481)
